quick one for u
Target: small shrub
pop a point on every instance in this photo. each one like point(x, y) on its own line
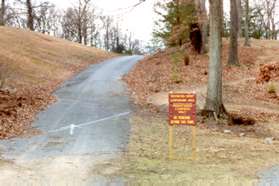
point(271, 89)
point(177, 58)
point(176, 78)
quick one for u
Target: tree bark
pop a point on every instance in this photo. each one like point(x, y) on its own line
point(268, 12)
point(214, 100)
point(2, 14)
point(107, 35)
point(222, 13)
point(274, 31)
point(178, 19)
point(233, 51)
point(203, 23)
point(239, 10)
point(247, 18)
point(30, 16)
point(79, 33)
point(273, 16)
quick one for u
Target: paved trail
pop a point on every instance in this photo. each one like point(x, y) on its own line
point(89, 124)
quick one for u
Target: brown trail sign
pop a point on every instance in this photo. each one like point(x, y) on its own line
point(182, 109)
point(182, 112)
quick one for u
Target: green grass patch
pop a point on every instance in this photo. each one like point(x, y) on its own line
point(271, 88)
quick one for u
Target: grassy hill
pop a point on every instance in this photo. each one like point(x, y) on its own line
point(33, 58)
point(32, 65)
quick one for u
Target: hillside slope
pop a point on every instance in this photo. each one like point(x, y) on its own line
point(29, 57)
point(169, 72)
point(32, 65)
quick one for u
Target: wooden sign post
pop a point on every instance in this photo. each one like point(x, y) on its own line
point(182, 112)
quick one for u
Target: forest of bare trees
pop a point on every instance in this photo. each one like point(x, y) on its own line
point(81, 22)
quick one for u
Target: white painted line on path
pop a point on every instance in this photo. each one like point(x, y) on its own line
point(73, 126)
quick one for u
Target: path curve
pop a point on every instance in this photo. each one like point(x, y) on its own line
point(87, 125)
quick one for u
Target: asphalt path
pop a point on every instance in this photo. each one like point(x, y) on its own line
point(269, 177)
point(90, 119)
point(91, 116)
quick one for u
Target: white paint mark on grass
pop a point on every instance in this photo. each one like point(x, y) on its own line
point(81, 125)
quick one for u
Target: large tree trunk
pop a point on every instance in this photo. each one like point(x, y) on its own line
point(2, 14)
point(178, 19)
point(273, 27)
point(222, 13)
point(233, 51)
point(214, 100)
point(239, 10)
point(107, 38)
point(247, 18)
point(30, 16)
point(268, 30)
point(79, 32)
point(203, 22)
point(85, 34)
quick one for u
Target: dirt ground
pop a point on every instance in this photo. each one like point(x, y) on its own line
point(227, 154)
point(62, 170)
point(32, 66)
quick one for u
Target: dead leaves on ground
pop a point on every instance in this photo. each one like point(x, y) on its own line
point(268, 72)
point(155, 73)
point(17, 109)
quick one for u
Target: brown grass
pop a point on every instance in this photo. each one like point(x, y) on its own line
point(33, 58)
point(223, 159)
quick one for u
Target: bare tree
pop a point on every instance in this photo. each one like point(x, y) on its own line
point(2, 13)
point(76, 22)
point(107, 25)
point(46, 18)
point(239, 20)
point(69, 25)
point(85, 29)
point(93, 29)
point(82, 20)
point(233, 51)
point(214, 101)
point(30, 15)
point(115, 38)
point(202, 19)
point(270, 6)
point(54, 22)
point(136, 47)
point(247, 18)
point(272, 17)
